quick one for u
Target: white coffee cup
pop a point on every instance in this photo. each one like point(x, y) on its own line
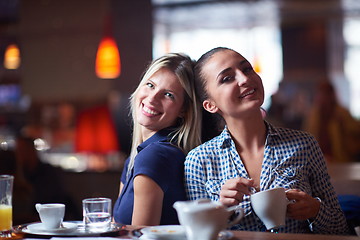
point(270, 206)
point(357, 231)
point(204, 219)
point(51, 214)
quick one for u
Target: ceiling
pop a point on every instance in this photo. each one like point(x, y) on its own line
point(185, 14)
point(8, 10)
point(244, 9)
point(351, 5)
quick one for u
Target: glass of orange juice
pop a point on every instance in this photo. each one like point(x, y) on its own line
point(6, 188)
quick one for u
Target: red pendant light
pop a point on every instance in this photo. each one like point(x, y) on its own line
point(96, 132)
point(108, 63)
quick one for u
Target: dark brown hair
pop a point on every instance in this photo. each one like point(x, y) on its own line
point(199, 75)
point(212, 124)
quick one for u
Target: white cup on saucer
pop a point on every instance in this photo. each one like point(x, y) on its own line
point(51, 215)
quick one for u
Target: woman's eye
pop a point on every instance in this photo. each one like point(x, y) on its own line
point(170, 95)
point(150, 85)
point(248, 70)
point(226, 79)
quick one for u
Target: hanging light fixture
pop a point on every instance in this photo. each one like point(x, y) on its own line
point(257, 65)
point(95, 132)
point(12, 57)
point(108, 64)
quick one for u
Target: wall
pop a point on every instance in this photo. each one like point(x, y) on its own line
point(59, 41)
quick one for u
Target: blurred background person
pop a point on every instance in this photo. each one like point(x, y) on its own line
point(22, 190)
point(337, 132)
point(45, 180)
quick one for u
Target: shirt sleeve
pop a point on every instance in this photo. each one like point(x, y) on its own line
point(195, 180)
point(160, 161)
point(330, 219)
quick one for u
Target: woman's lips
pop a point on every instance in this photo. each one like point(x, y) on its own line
point(247, 93)
point(150, 111)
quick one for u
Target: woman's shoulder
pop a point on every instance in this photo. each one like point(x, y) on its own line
point(165, 146)
point(159, 155)
point(292, 135)
point(161, 150)
point(290, 131)
point(207, 146)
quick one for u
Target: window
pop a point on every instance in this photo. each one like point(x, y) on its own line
point(196, 28)
point(352, 59)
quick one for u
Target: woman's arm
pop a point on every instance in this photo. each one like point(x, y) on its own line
point(148, 199)
point(330, 218)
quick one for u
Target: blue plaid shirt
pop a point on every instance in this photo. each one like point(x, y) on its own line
point(292, 159)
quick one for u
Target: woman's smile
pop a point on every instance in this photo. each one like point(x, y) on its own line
point(149, 112)
point(247, 93)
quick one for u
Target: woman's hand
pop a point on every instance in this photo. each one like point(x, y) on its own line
point(303, 207)
point(233, 191)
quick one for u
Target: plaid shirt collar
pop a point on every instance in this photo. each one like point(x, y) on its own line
point(225, 140)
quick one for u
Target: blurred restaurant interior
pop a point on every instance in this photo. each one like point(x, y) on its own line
point(53, 89)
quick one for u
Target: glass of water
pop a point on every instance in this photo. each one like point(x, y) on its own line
point(97, 214)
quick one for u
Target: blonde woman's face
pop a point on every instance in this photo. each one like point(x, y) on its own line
point(159, 101)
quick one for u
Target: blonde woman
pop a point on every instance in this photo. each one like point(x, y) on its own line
point(166, 125)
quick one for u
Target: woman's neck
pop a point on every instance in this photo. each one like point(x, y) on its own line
point(146, 134)
point(249, 133)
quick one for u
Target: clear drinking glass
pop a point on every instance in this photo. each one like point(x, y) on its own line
point(6, 189)
point(97, 214)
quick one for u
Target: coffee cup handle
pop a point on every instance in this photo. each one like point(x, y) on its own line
point(38, 207)
point(290, 201)
point(239, 216)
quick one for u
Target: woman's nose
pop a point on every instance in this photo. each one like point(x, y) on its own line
point(153, 96)
point(241, 80)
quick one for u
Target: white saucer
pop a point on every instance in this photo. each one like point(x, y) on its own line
point(164, 232)
point(172, 232)
point(38, 228)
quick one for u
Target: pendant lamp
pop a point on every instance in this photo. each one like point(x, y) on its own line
point(108, 64)
point(257, 65)
point(12, 57)
point(96, 131)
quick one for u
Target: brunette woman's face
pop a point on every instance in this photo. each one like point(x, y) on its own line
point(233, 87)
point(159, 101)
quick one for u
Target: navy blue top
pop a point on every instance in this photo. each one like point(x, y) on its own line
point(163, 162)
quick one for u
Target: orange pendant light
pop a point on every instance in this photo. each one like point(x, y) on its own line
point(257, 65)
point(12, 57)
point(108, 64)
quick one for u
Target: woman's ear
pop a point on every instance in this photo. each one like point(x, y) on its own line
point(210, 106)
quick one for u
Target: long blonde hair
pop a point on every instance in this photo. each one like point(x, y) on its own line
point(187, 134)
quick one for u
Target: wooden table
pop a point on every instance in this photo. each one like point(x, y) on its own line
point(247, 235)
